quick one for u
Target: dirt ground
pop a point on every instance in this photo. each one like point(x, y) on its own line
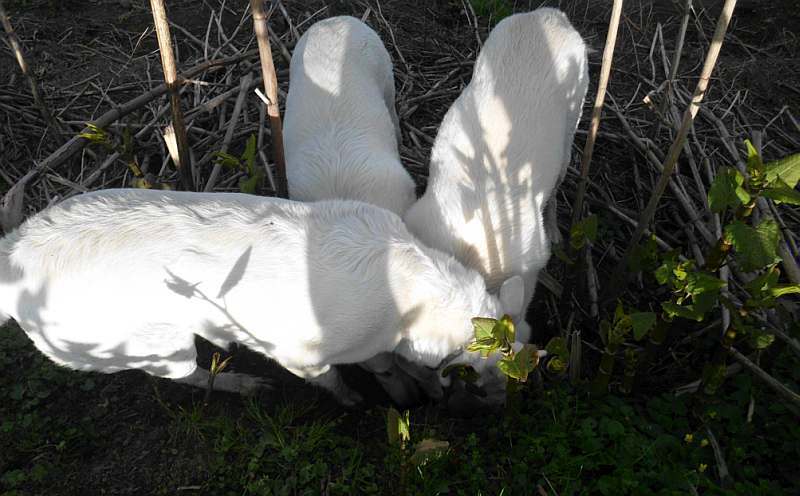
point(97, 54)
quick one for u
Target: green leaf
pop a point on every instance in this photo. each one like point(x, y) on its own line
point(784, 289)
point(96, 135)
point(398, 427)
point(642, 323)
point(664, 272)
point(780, 192)
point(227, 160)
point(520, 364)
point(787, 168)
point(557, 365)
point(468, 374)
point(700, 282)
point(755, 166)
point(249, 155)
point(726, 191)
point(759, 339)
point(250, 184)
point(763, 282)
point(557, 346)
point(584, 230)
point(645, 255)
point(503, 331)
point(683, 311)
point(755, 247)
point(483, 327)
point(703, 302)
point(484, 346)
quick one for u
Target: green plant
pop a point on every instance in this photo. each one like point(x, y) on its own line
point(216, 368)
point(123, 147)
point(747, 244)
point(245, 163)
point(498, 336)
point(494, 10)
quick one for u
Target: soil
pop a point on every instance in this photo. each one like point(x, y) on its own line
point(130, 455)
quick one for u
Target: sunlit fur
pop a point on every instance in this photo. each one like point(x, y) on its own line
point(121, 279)
point(503, 147)
point(341, 128)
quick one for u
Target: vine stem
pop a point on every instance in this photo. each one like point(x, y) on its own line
point(620, 272)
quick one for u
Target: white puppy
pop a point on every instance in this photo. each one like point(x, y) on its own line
point(341, 129)
point(502, 149)
point(341, 139)
point(124, 279)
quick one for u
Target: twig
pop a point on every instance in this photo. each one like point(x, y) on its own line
point(694, 386)
point(271, 89)
point(237, 110)
point(787, 393)
point(620, 273)
point(722, 467)
point(472, 21)
point(591, 282)
point(173, 87)
point(19, 53)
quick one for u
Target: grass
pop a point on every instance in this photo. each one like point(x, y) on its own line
point(493, 10)
point(67, 433)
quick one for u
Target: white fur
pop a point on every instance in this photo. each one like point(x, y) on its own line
point(341, 128)
point(503, 147)
point(121, 279)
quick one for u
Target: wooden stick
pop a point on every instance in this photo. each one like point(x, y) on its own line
point(620, 273)
point(237, 110)
point(173, 87)
point(271, 89)
point(23, 65)
point(784, 391)
point(605, 71)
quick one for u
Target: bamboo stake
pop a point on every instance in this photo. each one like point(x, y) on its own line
point(271, 89)
point(173, 87)
point(620, 272)
point(605, 72)
point(571, 282)
point(19, 53)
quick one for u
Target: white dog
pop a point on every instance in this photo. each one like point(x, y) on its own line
point(124, 279)
point(341, 128)
point(502, 149)
point(341, 138)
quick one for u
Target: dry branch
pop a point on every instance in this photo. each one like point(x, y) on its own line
point(173, 87)
point(261, 26)
point(19, 53)
point(237, 110)
point(13, 197)
point(787, 393)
